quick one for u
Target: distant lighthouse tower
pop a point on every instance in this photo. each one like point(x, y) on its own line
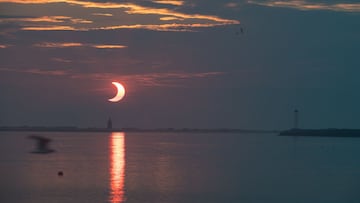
point(109, 123)
point(296, 119)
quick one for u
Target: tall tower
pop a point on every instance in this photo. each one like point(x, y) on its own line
point(109, 123)
point(296, 119)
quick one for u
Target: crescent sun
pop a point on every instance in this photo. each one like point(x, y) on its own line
point(120, 92)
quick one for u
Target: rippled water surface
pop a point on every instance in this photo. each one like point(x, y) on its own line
point(179, 167)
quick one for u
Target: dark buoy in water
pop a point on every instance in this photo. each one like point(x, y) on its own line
point(60, 173)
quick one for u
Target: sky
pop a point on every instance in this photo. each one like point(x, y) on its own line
point(184, 63)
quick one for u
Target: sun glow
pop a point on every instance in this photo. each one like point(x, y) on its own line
point(117, 167)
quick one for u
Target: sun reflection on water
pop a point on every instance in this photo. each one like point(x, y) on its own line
point(117, 167)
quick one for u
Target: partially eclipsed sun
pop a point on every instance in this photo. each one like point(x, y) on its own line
point(120, 92)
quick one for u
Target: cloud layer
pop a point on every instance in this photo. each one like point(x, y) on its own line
point(105, 16)
point(307, 5)
point(77, 44)
point(147, 79)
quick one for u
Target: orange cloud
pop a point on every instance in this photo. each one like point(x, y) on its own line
point(47, 19)
point(87, 4)
point(51, 19)
point(103, 14)
point(164, 14)
point(158, 27)
point(58, 45)
point(49, 28)
point(175, 3)
point(80, 21)
point(161, 27)
point(109, 46)
point(77, 44)
point(170, 18)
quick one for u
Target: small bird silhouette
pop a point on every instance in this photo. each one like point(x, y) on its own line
point(240, 31)
point(41, 145)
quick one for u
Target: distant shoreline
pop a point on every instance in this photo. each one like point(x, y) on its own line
point(331, 132)
point(158, 130)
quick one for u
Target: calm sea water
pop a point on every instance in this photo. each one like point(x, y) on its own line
point(175, 167)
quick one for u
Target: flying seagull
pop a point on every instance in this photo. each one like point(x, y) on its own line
point(42, 145)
